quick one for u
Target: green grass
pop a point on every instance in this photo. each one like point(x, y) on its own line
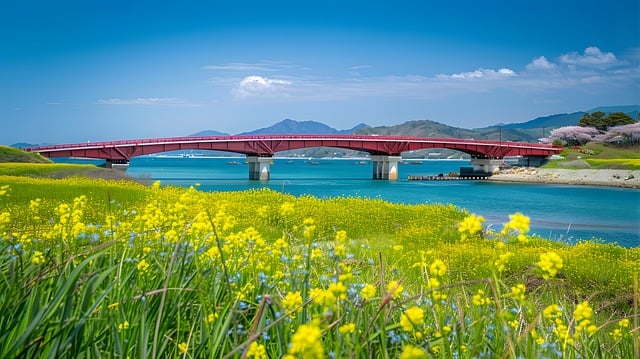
point(96, 268)
point(10, 154)
point(61, 170)
point(600, 156)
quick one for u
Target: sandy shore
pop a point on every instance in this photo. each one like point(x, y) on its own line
point(591, 177)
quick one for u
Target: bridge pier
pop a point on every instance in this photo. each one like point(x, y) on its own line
point(486, 165)
point(259, 167)
point(117, 165)
point(385, 167)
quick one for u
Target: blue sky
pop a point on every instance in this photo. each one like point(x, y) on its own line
point(73, 71)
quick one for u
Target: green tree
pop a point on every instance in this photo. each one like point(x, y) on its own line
point(603, 122)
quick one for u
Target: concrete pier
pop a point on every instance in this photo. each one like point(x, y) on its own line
point(118, 165)
point(385, 167)
point(486, 165)
point(259, 168)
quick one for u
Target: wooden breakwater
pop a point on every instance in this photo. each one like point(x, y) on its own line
point(448, 178)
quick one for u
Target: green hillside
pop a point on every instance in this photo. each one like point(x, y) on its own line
point(10, 154)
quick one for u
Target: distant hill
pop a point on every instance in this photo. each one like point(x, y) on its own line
point(553, 121)
point(209, 133)
point(289, 126)
point(22, 145)
point(423, 128)
point(426, 128)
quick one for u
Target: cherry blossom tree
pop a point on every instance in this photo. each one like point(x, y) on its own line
point(626, 133)
point(574, 135)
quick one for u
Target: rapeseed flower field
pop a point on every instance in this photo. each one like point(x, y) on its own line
point(94, 268)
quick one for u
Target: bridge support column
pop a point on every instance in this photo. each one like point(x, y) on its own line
point(117, 165)
point(486, 165)
point(385, 167)
point(259, 167)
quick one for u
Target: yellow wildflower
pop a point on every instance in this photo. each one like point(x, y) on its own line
point(479, 298)
point(552, 311)
point(143, 266)
point(341, 236)
point(396, 287)
point(292, 302)
point(182, 347)
point(470, 225)
point(517, 222)
point(124, 325)
point(37, 258)
point(501, 263)
point(306, 342)
point(438, 268)
point(411, 318)
point(347, 328)
point(518, 292)
point(582, 315)
point(368, 291)
point(550, 263)
point(286, 209)
point(257, 351)
point(412, 352)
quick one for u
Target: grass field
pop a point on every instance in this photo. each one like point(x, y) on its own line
point(600, 156)
point(97, 268)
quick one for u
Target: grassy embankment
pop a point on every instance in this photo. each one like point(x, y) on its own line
point(599, 156)
point(97, 268)
point(15, 162)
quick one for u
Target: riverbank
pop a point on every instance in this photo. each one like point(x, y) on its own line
point(590, 177)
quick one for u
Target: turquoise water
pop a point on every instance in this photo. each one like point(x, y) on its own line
point(560, 212)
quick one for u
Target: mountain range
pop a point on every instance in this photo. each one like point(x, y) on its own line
point(529, 131)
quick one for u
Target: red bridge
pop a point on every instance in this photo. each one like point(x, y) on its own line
point(385, 150)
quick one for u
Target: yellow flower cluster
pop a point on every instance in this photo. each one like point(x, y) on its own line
point(37, 258)
point(412, 318)
point(550, 263)
point(621, 330)
point(413, 352)
point(368, 291)
point(518, 225)
point(437, 270)
point(395, 289)
point(292, 302)
point(582, 316)
point(306, 342)
point(470, 226)
point(480, 298)
point(257, 351)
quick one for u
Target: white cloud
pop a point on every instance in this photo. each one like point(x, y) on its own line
point(593, 56)
point(148, 101)
point(260, 86)
point(540, 63)
point(481, 73)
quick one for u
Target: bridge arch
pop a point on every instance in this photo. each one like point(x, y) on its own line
point(385, 150)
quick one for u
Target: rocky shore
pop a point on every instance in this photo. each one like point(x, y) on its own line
point(590, 177)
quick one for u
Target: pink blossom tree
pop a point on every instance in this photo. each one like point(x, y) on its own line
point(574, 135)
point(626, 133)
